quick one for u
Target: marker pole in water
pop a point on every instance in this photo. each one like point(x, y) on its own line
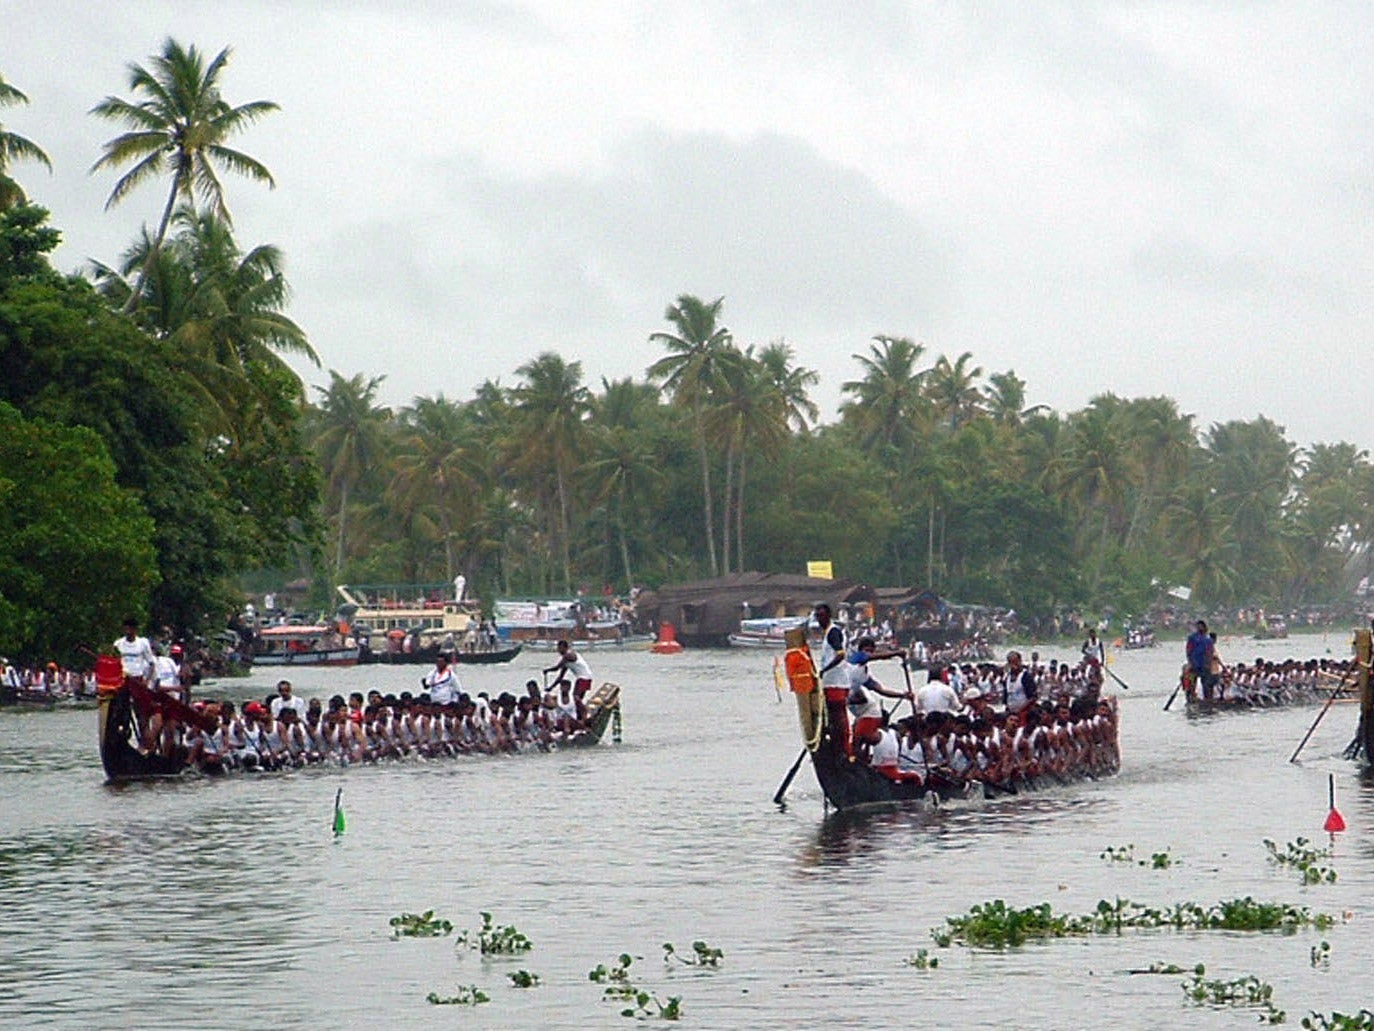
point(1335, 822)
point(339, 822)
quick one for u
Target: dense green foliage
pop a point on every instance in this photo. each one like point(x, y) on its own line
point(64, 520)
point(932, 476)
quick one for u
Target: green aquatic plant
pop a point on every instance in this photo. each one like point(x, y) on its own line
point(922, 960)
point(467, 995)
point(997, 925)
point(419, 925)
point(492, 940)
point(523, 979)
point(1301, 856)
point(1126, 854)
point(642, 1003)
point(1240, 991)
point(703, 955)
point(1320, 955)
point(1361, 1021)
point(619, 971)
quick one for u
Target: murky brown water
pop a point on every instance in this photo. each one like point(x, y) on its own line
point(227, 903)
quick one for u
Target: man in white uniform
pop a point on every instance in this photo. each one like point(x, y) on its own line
point(442, 685)
point(135, 653)
point(167, 675)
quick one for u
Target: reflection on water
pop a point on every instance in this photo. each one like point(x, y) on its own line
point(229, 902)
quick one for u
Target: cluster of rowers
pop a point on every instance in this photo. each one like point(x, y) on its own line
point(998, 725)
point(1274, 683)
point(285, 731)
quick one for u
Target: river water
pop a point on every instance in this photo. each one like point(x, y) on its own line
point(228, 903)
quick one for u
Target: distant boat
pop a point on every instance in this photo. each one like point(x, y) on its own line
point(426, 656)
point(318, 645)
point(540, 625)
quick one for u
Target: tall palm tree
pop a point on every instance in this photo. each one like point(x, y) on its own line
point(952, 387)
point(351, 441)
point(788, 385)
point(179, 124)
point(700, 353)
point(436, 466)
point(551, 408)
point(1004, 399)
point(1095, 469)
point(888, 407)
point(223, 309)
point(14, 147)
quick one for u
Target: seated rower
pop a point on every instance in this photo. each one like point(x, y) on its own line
point(864, 707)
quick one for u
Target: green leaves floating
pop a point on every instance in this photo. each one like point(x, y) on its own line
point(491, 940)
point(1301, 856)
point(1242, 991)
point(996, 925)
point(468, 995)
point(703, 955)
point(419, 925)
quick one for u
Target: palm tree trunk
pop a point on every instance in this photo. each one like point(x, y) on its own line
point(339, 547)
point(131, 302)
point(930, 547)
point(728, 509)
point(624, 545)
point(739, 516)
point(706, 489)
point(563, 533)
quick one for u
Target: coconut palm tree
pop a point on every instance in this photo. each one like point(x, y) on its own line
point(1004, 399)
point(700, 353)
point(550, 409)
point(14, 147)
point(436, 467)
point(223, 309)
point(888, 408)
point(351, 440)
point(952, 388)
point(178, 124)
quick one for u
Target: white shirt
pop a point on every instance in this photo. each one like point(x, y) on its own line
point(167, 673)
point(294, 702)
point(136, 656)
point(885, 748)
point(839, 676)
point(441, 686)
point(937, 696)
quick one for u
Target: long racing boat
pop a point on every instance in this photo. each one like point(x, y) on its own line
point(848, 781)
point(126, 706)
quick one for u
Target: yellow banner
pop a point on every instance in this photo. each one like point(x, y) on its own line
point(820, 570)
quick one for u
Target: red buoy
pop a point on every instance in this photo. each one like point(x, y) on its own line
point(667, 643)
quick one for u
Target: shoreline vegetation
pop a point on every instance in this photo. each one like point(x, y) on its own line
point(159, 457)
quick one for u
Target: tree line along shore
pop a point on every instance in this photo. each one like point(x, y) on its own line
point(158, 455)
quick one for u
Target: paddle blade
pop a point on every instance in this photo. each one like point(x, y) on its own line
point(1335, 822)
point(340, 824)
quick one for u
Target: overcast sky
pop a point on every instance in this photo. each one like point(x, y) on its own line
point(1135, 197)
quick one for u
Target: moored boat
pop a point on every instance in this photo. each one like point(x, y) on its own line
point(319, 645)
point(426, 656)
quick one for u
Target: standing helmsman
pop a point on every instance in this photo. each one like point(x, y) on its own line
point(834, 678)
point(1199, 649)
point(1018, 688)
point(440, 682)
point(135, 653)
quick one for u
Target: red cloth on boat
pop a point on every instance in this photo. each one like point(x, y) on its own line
point(149, 702)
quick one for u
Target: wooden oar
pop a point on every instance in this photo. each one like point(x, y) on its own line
point(1123, 683)
point(1312, 729)
point(1174, 695)
point(787, 781)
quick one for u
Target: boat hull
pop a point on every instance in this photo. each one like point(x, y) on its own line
point(427, 657)
point(324, 657)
